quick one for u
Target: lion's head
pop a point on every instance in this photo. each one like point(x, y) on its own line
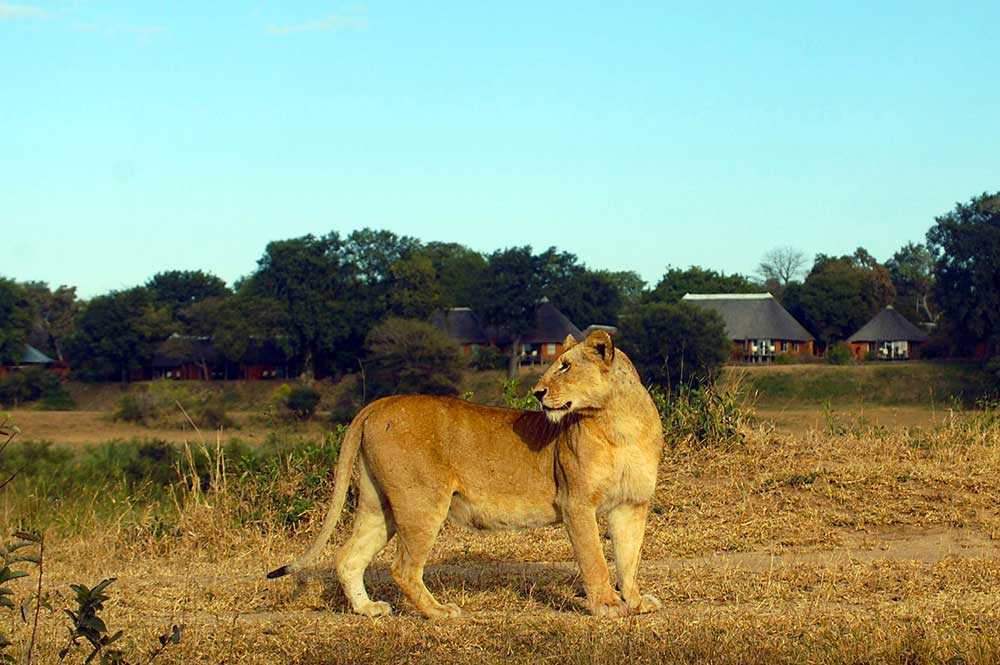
point(579, 380)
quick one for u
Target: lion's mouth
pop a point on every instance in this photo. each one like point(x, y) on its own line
point(565, 407)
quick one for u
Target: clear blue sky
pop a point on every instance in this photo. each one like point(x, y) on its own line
point(137, 137)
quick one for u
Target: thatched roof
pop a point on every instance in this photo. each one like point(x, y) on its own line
point(33, 356)
point(551, 326)
point(461, 324)
point(751, 315)
point(888, 326)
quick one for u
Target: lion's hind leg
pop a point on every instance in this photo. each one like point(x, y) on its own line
point(374, 526)
point(418, 525)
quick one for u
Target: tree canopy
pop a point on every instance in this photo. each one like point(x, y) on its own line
point(675, 344)
point(15, 320)
point(676, 282)
point(840, 295)
point(965, 243)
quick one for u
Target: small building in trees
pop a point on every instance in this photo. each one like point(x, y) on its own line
point(462, 325)
point(32, 357)
point(264, 360)
point(183, 358)
point(761, 329)
point(888, 336)
point(544, 342)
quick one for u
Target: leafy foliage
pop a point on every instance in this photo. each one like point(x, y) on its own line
point(53, 317)
point(302, 401)
point(87, 625)
point(514, 399)
point(408, 356)
point(166, 403)
point(676, 282)
point(966, 245)
point(709, 415)
point(32, 384)
point(840, 295)
point(178, 289)
point(674, 345)
point(116, 334)
point(839, 354)
point(911, 269)
point(15, 320)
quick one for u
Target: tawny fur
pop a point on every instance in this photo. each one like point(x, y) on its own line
point(593, 450)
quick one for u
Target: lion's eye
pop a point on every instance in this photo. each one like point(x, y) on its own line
point(564, 366)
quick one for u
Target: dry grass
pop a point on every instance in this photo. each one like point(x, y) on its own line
point(860, 545)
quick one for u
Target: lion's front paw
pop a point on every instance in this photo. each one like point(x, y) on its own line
point(614, 608)
point(446, 611)
point(646, 604)
point(379, 609)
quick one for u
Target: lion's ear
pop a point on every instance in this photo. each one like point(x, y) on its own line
point(569, 342)
point(600, 342)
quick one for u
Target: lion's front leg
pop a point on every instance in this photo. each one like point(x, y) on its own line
point(581, 524)
point(627, 524)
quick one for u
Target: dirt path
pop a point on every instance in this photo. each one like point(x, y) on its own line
point(495, 589)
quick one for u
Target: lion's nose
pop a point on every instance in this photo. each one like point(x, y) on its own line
point(539, 394)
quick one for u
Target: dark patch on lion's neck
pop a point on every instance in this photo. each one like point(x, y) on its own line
point(537, 431)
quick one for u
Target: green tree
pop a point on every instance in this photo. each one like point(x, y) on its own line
point(458, 270)
point(236, 322)
point(628, 283)
point(409, 356)
point(414, 291)
point(320, 297)
point(676, 282)
point(15, 320)
point(176, 289)
point(507, 295)
point(588, 296)
point(911, 269)
point(966, 245)
point(840, 295)
point(53, 316)
point(675, 344)
point(117, 333)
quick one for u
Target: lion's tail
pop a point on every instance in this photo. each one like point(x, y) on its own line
point(342, 480)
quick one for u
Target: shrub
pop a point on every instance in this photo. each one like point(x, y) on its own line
point(675, 344)
point(487, 358)
point(839, 354)
point(165, 403)
point(409, 356)
point(302, 401)
point(704, 416)
point(29, 385)
point(513, 400)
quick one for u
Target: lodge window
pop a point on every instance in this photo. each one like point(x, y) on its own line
point(550, 349)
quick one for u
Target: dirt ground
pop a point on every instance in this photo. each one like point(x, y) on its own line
point(867, 542)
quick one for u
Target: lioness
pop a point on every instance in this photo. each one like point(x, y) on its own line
point(593, 450)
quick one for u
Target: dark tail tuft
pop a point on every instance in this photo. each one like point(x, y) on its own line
point(277, 572)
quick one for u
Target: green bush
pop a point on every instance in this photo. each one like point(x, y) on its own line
point(409, 356)
point(302, 401)
point(57, 400)
point(839, 354)
point(488, 358)
point(704, 416)
point(169, 404)
point(675, 345)
point(30, 385)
